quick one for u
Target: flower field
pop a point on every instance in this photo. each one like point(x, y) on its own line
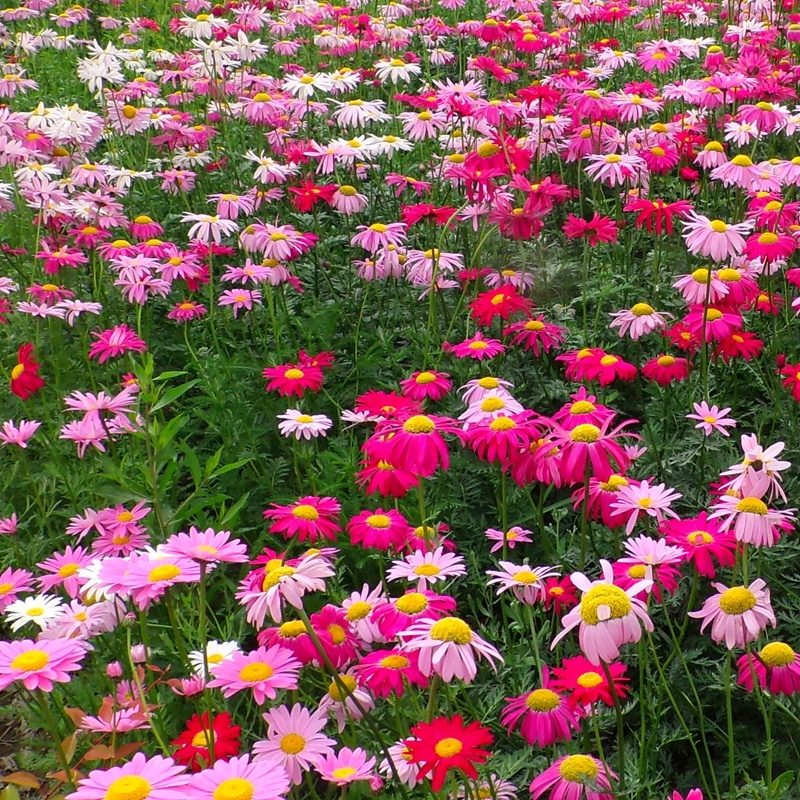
point(400, 400)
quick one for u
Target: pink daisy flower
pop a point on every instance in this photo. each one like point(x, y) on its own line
point(448, 647)
point(263, 671)
point(635, 500)
point(63, 569)
point(18, 434)
point(737, 615)
point(776, 668)
point(427, 567)
point(527, 583)
point(208, 546)
point(415, 444)
point(752, 520)
point(12, 583)
point(711, 418)
point(638, 321)
point(310, 518)
point(115, 342)
point(345, 700)
point(148, 579)
point(386, 672)
point(426, 385)
point(570, 777)
point(294, 740)
point(346, 766)
point(544, 715)
point(607, 616)
point(38, 665)
point(714, 239)
point(478, 347)
point(380, 529)
point(513, 536)
point(241, 778)
point(157, 778)
point(400, 613)
point(701, 538)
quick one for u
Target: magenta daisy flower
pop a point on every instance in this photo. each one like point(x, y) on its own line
point(478, 347)
point(263, 671)
point(415, 444)
point(208, 546)
point(38, 665)
point(346, 766)
point(544, 716)
point(241, 778)
point(157, 778)
point(702, 540)
point(570, 778)
point(294, 740)
point(448, 647)
point(12, 583)
point(776, 667)
point(607, 616)
point(737, 615)
point(115, 342)
point(63, 570)
point(308, 519)
point(426, 385)
point(386, 672)
point(399, 613)
point(380, 529)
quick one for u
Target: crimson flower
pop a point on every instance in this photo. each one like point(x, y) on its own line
point(501, 302)
point(597, 229)
point(308, 194)
point(791, 380)
point(192, 744)
point(25, 379)
point(445, 744)
point(425, 211)
point(656, 214)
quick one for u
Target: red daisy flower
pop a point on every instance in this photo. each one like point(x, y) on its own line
point(597, 229)
point(742, 344)
point(656, 215)
point(560, 594)
point(683, 338)
point(703, 542)
point(193, 743)
point(588, 683)
point(605, 369)
point(445, 744)
point(377, 475)
point(536, 335)
point(427, 384)
point(501, 302)
point(791, 380)
point(292, 379)
point(25, 379)
point(388, 405)
point(308, 194)
point(310, 518)
point(666, 369)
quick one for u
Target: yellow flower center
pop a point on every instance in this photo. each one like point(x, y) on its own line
point(419, 423)
point(273, 577)
point(378, 227)
point(488, 149)
point(488, 382)
point(253, 673)
point(235, 789)
point(425, 378)
point(741, 161)
point(589, 680)
point(201, 738)
point(608, 361)
point(777, 654)
point(337, 634)
point(357, 611)
point(5, 588)
point(292, 629)
point(68, 570)
point(349, 684)
point(578, 769)
point(451, 630)
point(424, 116)
point(448, 747)
point(642, 310)
point(698, 538)
point(292, 744)
point(534, 325)
point(718, 226)
point(342, 773)
point(526, 576)
point(502, 424)
point(379, 521)
point(166, 572)
point(31, 661)
point(305, 511)
point(427, 570)
point(129, 787)
point(767, 238)
point(658, 151)
point(737, 600)
point(397, 62)
point(752, 505)
point(773, 205)
point(215, 658)
point(666, 361)
point(713, 314)
point(17, 371)
point(492, 404)
point(585, 433)
point(394, 662)
point(411, 603)
point(612, 598)
point(542, 700)
point(637, 571)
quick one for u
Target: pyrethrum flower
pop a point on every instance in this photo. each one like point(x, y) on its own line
point(571, 778)
point(38, 665)
point(240, 778)
point(711, 418)
point(607, 616)
point(263, 671)
point(303, 426)
point(527, 583)
point(738, 614)
point(157, 778)
point(714, 239)
point(776, 667)
point(429, 567)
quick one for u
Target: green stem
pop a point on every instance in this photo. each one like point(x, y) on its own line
point(729, 718)
point(51, 727)
point(620, 726)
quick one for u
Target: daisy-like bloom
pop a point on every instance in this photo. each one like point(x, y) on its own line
point(294, 740)
point(155, 778)
point(478, 347)
point(448, 647)
point(416, 443)
point(607, 616)
point(39, 665)
point(776, 667)
point(447, 744)
point(475, 391)
point(386, 672)
point(513, 536)
point(758, 462)
point(346, 766)
point(638, 321)
point(737, 615)
point(283, 584)
point(241, 778)
point(527, 583)
point(395, 70)
point(399, 613)
point(711, 418)
point(536, 335)
point(291, 379)
point(653, 559)
point(63, 570)
point(426, 385)
point(216, 653)
point(263, 671)
point(752, 520)
point(702, 539)
point(665, 369)
point(303, 426)
point(193, 743)
point(115, 342)
point(701, 284)
point(18, 434)
point(358, 608)
point(398, 762)
point(654, 501)
point(12, 583)
point(208, 546)
point(614, 169)
point(308, 519)
point(544, 715)
point(713, 323)
point(345, 700)
point(380, 529)
point(41, 610)
point(335, 635)
point(148, 579)
point(25, 379)
point(574, 778)
point(186, 311)
point(588, 684)
point(427, 567)
point(502, 302)
point(714, 239)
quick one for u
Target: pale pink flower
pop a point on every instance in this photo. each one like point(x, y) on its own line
point(303, 426)
point(757, 462)
point(427, 567)
point(526, 582)
point(714, 239)
point(712, 418)
point(263, 671)
point(512, 537)
point(18, 434)
point(654, 501)
point(208, 546)
point(346, 766)
point(639, 320)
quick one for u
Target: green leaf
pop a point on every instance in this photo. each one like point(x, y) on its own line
point(193, 463)
point(231, 467)
point(165, 376)
point(212, 462)
point(171, 395)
